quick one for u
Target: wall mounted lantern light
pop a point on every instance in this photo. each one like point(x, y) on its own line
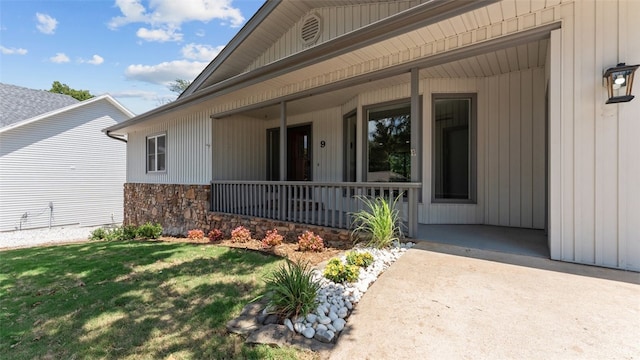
point(619, 81)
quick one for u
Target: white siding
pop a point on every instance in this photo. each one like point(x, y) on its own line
point(64, 159)
point(240, 148)
point(188, 151)
point(594, 147)
point(510, 151)
point(327, 127)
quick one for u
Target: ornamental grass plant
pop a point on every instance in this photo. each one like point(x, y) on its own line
point(378, 222)
point(291, 290)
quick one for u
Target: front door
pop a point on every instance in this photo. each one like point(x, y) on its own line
point(298, 153)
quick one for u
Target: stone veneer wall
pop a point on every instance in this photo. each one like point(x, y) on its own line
point(180, 208)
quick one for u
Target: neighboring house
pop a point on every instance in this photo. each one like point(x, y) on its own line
point(494, 110)
point(56, 166)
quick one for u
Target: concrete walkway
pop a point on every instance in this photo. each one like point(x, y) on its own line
point(446, 302)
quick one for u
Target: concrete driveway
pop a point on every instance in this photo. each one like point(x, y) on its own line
point(448, 302)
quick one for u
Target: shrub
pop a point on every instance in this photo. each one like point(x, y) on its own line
point(114, 234)
point(291, 290)
point(309, 241)
point(195, 234)
point(129, 232)
point(149, 231)
point(215, 235)
point(272, 239)
point(379, 221)
point(98, 234)
point(361, 259)
point(240, 234)
point(338, 272)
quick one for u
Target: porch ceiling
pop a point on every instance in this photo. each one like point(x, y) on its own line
point(521, 57)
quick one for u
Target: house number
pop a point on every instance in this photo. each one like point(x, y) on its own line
point(323, 143)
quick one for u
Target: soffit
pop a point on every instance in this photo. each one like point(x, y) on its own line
point(493, 63)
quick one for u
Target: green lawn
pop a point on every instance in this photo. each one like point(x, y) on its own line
point(129, 300)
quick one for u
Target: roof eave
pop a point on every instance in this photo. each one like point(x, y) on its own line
point(432, 11)
point(106, 97)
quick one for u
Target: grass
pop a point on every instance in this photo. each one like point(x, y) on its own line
point(130, 300)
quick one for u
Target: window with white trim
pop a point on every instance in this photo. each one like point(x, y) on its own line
point(157, 153)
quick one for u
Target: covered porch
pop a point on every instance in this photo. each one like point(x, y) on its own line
point(518, 241)
point(305, 159)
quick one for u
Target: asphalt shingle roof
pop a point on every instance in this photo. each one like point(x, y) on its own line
point(19, 103)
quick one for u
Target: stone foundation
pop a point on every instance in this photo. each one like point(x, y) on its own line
point(180, 208)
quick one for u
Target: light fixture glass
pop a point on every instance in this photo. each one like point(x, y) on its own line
point(619, 83)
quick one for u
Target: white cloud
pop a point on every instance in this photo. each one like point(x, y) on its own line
point(166, 72)
point(95, 60)
point(59, 58)
point(169, 15)
point(201, 52)
point(12, 51)
point(200, 33)
point(159, 35)
point(46, 24)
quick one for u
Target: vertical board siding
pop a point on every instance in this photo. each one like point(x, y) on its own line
point(188, 151)
point(327, 161)
point(594, 171)
point(240, 149)
point(507, 149)
point(67, 160)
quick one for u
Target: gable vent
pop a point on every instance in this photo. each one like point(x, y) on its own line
point(310, 31)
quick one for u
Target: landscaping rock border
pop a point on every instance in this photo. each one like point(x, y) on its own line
point(318, 330)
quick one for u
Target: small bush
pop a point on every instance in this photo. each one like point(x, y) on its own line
point(291, 290)
point(240, 234)
point(272, 239)
point(338, 272)
point(129, 232)
point(361, 259)
point(215, 235)
point(98, 234)
point(114, 234)
point(149, 231)
point(309, 241)
point(195, 234)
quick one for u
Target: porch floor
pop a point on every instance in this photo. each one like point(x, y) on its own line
point(510, 240)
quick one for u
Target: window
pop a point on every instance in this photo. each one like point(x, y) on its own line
point(349, 139)
point(454, 164)
point(389, 143)
point(157, 153)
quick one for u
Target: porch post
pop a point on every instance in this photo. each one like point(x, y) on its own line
point(415, 125)
point(283, 158)
point(283, 141)
point(416, 153)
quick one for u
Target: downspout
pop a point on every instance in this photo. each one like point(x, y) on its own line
point(115, 137)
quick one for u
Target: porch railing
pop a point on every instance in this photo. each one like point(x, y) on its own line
point(323, 204)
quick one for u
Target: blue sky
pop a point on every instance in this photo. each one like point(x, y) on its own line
point(130, 49)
